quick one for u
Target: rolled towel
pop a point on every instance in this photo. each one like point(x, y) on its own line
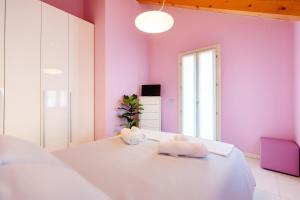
point(183, 148)
point(129, 138)
point(138, 132)
point(179, 137)
point(135, 129)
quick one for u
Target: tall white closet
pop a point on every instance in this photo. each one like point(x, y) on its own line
point(47, 73)
point(22, 69)
point(2, 23)
point(81, 79)
point(55, 75)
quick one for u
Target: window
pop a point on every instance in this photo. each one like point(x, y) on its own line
point(199, 93)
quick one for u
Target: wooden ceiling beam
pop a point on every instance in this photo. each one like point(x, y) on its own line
point(279, 9)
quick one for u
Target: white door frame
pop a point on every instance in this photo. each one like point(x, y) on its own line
point(218, 80)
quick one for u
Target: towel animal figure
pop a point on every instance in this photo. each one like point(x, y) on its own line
point(181, 146)
point(132, 136)
point(180, 137)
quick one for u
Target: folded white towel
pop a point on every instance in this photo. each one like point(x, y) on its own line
point(179, 137)
point(183, 148)
point(138, 132)
point(135, 129)
point(132, 136)
point(214, 147)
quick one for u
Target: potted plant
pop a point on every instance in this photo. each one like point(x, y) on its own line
point(130, 110)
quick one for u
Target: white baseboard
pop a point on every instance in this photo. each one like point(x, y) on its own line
point(251, 155)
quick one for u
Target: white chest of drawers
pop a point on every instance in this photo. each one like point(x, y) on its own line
point(151, 115)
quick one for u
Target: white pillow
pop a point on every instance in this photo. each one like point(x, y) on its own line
point(13, 150)
point(45, 182)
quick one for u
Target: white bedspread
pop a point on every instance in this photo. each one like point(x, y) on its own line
point(138, 172)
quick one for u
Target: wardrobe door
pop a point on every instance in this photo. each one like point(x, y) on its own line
point(81, 68)
point(2, 28)
point(55, 95)
point(22, 69)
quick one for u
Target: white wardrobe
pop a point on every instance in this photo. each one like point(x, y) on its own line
point(47, 74)
point(22, 69)
point(2, 23)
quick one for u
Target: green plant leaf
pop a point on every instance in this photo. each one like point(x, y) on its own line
point(130, 108)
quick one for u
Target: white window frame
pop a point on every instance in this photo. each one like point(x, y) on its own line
point(217, 48)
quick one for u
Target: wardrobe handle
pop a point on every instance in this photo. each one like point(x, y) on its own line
point(2, 110)
point(43, 120)
point(70, 117)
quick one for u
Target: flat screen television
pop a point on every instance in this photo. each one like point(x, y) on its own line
point(150, 90)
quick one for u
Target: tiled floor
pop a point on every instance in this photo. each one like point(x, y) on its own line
point(272, 185)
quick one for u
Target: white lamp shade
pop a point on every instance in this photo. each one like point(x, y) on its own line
point(154, 22)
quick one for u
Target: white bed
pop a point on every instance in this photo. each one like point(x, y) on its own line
point(27, 172)
point(138, 172)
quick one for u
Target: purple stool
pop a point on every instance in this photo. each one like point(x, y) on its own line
point(279, 155)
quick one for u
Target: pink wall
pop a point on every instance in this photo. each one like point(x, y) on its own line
point(297, 79)
point(121, 58)
point(95, 12)
point(256, 70)
point(127, 61)
point(74, 7)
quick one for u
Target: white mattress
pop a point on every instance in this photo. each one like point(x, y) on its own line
point(138, 172)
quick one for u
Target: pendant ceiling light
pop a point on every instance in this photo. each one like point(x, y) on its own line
point(154, 21)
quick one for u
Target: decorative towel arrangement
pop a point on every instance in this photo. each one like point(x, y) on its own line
point(176, 144)
point(181, 146)
point(214, 147)
point(178, 137)
point(132, 136)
